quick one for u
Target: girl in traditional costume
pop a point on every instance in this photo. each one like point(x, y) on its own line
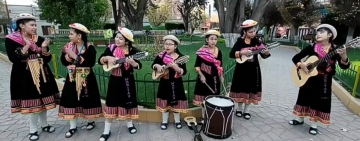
point(246, 83)
point(208, 65)
point(121, 95)
point(80, 96)
point(171, 94)
point(314, 99)
point(33, 87)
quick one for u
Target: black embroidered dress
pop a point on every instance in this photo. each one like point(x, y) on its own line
point(314, 98)
point(25, 97)
point(211, 73)
point(171, 92)
point(89, 105)
point(246, 86)
point(121, 99)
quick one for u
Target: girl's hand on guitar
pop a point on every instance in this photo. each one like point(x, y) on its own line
point(304, 68)
point(202, 79)
point(245, 52)
point(110, 59)
point(341, 52)
point(174, 66)
point(130, 60)
point(158, 68)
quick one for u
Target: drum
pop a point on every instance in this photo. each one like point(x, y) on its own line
point(219, 115)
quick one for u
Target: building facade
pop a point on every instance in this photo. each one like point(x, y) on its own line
point(44, 28)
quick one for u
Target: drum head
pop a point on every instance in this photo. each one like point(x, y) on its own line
point(220, 101)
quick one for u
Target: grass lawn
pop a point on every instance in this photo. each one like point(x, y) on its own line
point(146, 87)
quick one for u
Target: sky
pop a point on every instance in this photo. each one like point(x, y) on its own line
point(20, 2)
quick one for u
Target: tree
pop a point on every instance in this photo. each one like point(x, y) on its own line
point(185, 9)
point(196, 17)
point(134, 11)
point(233, 12)
point(86, 12)
point(272, 17)
point(348, 13)
point(159, 15)
point(3, 14)
point(299, 12)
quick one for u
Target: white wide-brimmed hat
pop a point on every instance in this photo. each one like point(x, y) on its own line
point(248, 23)
point(79, 27)
point(24, 16)
point(330, 27)
point(172, 37)
point(126, 33)
point(212, 32)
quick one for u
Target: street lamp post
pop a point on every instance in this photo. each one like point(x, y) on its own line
point(8, 14)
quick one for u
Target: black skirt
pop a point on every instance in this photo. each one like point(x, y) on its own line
point(314, 99)
point(171, 96)
point(202, 91)
point(246, 83)
point(88, 107)
point(25, 97)
point(121, 99)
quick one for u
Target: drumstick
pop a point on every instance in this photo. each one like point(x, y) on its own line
point(210, 88)
point(226, 93)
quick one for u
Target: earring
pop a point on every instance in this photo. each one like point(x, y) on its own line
point(78, 40)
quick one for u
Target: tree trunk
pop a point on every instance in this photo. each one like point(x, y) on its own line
point(350, 34)
point(258, 11)
point(272, 32)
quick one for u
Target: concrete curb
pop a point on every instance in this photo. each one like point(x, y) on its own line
point(344, 96)
point(145, 115)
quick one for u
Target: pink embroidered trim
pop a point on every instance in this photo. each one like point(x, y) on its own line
point(206, 54)
point(119, 53)
point(17, 37)
point(167, 58)
point(320, 51)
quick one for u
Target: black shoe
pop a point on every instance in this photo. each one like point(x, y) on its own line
point(295, 122)
point(238, 113)
point(33, 136)
point(104, 137)
point(48, 129)
point(247, 116)
point(178, 125)
point(132, 130)
point(313, 131)
point(71, 132)
point(90, 125)
point(164, 126)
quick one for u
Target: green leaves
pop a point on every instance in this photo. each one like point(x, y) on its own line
point(91, 13)
point(346, 11)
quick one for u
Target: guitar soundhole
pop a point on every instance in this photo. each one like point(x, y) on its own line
point(309, 67)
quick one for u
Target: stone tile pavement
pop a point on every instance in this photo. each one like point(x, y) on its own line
point(269, 121)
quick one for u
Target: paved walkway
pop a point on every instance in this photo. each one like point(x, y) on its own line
point(269, 121)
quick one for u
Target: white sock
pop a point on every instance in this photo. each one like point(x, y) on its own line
point(43, 118)
point(33, 122)
point(177, 117)
point(247, 109)
point(107, 127)
point(240, 106)
point(129, 123)
point(299, 119)
point(165, 117)
point(73, 124)
point(313, 125)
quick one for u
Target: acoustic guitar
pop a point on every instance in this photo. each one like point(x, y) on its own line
point(244, 58)
point(192, 124)
point(299, 77)
point(110, 66)
point(181, 60)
